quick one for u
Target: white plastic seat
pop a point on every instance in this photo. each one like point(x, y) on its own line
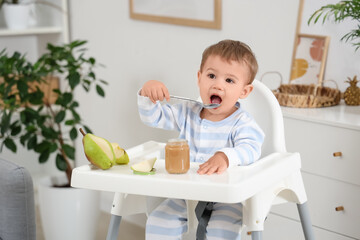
point(274, 179)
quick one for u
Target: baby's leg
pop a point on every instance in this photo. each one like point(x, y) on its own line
point(168, 221)
point(225, 222)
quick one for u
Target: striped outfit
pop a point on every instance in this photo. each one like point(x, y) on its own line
point(238, 136)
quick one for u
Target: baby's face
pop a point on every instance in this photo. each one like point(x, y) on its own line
point(223, 82)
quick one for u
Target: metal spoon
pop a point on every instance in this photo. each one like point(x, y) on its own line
point(209, 106)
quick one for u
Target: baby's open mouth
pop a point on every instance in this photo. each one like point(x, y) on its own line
point(215, 99)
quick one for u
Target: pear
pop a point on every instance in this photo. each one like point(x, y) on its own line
point(121, 157)
point(98, 151)
point(144, 166)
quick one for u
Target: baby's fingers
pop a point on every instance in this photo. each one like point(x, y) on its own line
point(221, 169)
point(204, 168)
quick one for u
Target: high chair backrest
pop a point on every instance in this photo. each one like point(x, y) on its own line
point(264, 107)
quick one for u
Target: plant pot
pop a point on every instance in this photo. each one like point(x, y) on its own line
point(18, 16)
point(67, 213)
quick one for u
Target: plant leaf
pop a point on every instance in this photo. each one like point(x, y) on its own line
point(67, 98)
point(32, 142)
point(10, 144)
point(100, 91)
point(74, 79)
point(60, 162)
point(87, 129)
point(23, 89)
point(44, 156)
point(69, 151)
point(42, 147)
point(73, 133)
point(60, 116)
point(36, 97)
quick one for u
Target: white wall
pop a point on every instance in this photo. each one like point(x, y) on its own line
point(136, 51)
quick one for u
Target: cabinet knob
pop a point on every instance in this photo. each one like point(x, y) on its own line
point(339, 208)
point(337, 154)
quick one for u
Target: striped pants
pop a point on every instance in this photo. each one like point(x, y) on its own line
point(169, 221)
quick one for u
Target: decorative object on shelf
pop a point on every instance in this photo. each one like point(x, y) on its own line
point(340, 11)
point(308, 63)
point(352, 93)
point(202, 13)
point(40, 126)
point(18, 16)
point(21, 14)
point(47, 86)
point(305, 96)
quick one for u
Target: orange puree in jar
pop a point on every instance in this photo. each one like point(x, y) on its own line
point(177, 156)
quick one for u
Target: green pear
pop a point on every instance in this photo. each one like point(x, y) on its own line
point(98, 151)
point(144, 166)
point(121, 157)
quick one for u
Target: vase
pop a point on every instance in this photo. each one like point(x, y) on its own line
point(66, 212)
point(19, 16)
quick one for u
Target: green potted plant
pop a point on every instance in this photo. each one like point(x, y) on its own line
point(37, 114)
point(42, 122)
point(339, 12)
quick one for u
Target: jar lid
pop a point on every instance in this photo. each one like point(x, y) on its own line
point(177, 140)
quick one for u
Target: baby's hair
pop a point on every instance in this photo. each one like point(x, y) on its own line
point(231, 50)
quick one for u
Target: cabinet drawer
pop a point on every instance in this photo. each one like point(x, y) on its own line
point(280, 228)
point(324, 195)
point(316, 144)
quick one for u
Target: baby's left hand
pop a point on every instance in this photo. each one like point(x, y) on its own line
point(216, 164)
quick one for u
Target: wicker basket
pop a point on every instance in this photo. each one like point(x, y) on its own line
point(306, 96)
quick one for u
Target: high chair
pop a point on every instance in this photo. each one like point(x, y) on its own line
point(280, 184)
point(274, 179)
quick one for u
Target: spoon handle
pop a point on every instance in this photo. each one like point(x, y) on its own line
point(184, 98)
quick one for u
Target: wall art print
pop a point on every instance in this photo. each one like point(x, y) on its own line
point(308, 63)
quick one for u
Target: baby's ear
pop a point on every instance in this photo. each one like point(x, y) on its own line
point(246, 91)
point(198, 76)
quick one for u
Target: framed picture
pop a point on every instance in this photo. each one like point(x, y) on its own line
point(199, 13)
point(309, 58)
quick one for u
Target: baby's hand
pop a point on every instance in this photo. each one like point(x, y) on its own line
point(155, 90)
point(216, 164)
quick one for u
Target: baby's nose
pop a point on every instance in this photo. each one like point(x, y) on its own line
point(218, 85)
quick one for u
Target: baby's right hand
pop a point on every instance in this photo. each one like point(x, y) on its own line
point(155, 90)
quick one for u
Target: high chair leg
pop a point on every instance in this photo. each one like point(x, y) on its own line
point(306, 221)
point(256, 235)
point(113, 231)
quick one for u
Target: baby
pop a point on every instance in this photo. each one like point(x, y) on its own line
point(218, 138)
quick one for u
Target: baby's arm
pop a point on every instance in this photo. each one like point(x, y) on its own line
point(155, 90)
point(216, 164)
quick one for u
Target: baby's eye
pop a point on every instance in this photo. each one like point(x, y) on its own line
point(228, 80)
point(211, 75)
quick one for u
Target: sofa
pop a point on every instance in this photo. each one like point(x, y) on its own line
point(17, 206)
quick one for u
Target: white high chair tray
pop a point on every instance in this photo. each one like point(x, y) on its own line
point(234, 185)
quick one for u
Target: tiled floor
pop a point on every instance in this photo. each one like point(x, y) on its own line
point(128, 230)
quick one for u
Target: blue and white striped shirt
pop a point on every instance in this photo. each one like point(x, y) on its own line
point(238, 136)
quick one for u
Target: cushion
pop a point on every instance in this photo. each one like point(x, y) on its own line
point(17, 207)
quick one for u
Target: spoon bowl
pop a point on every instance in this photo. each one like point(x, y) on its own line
point(208, 106)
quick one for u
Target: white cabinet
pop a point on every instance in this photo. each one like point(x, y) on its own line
point(328, 141)
point(51, 25)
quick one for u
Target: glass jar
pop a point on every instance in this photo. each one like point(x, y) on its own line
point(177, 156)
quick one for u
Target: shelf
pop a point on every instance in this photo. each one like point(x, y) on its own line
point(340, 115)
point(30, 31)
